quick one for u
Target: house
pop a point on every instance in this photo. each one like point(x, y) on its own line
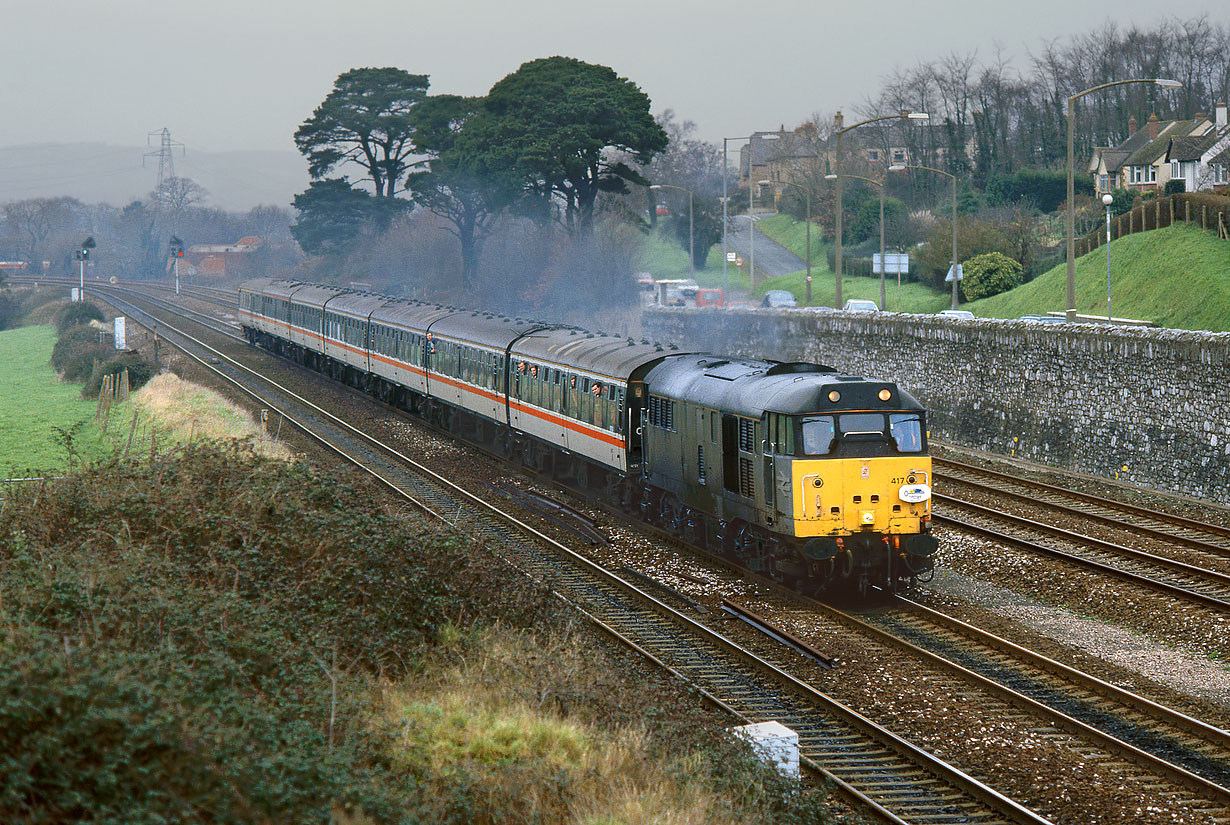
point(216, 261)
point(802, 157)
point(1143, 162)
point(1201, 161)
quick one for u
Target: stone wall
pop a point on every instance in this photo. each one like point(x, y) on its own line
point(1150, 405)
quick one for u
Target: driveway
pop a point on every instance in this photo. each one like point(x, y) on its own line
point(772, 258)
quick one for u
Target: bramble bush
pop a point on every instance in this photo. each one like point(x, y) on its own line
point(77, 350)
point(76, 314)
point(170, 631)
point(140, 371)
point(989, 274)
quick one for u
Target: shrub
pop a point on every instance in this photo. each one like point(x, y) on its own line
point(1043, 188)
point(990, 274)
point(76, 351)
point(974, 237)
point(139, 372)
point(76, 314)
point(10, 311)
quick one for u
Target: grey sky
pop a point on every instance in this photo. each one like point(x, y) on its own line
point(242, 74)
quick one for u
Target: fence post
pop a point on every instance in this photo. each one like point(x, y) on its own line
point(1204, 211)
point(1187, 212)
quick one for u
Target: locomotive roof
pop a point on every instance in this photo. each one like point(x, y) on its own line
point(750, 388)
point(592, 352)
point(496, 331)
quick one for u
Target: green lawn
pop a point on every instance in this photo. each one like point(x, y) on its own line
point(664, 257)
point(1177, 277)
point(38, 408)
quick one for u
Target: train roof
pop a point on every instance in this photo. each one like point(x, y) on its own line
point(357, 304)
point(409, 314)
point(262, 284)
point(315, 294)
point(488, 329)
point(751, 388)
point(592, 352)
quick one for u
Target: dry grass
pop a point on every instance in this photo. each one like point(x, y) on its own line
point(171, 410)
point(494, 725)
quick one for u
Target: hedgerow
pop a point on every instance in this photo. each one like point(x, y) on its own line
point(173, 633)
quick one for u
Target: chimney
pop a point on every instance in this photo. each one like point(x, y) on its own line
point(837, 120)
point(1221, 114)
point(1153, 127)
point(1131, 125)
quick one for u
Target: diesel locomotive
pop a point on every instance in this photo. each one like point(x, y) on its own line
point(814, 478)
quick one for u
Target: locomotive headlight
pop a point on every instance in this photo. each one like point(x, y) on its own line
point(869, 518)
point(885, 394)
point(834, 396)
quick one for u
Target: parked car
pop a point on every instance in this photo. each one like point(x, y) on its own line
point(688, 288)
point(1051, 319)
point(778, 299)
point(956, 313)
point(710, 298)
point(860, 305)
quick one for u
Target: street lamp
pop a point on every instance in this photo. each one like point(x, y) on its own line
point(1107, 200)
point(807, 198)
point(1071, 211)
point(955, 270)
point(839, 132)
point(691, 233)
point(751, 221)
point(880, 185)
point(748, 138)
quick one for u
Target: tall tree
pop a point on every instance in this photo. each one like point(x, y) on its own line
point(458, 183)
point(365, 120)
point(332, 214)
point(571, 130)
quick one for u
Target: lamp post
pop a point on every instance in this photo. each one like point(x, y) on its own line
point(1071, 210)
point(807, 199)
point(725, 199)
point(751, 224)
point(880, 185)
point(954, 219)
point(1107, 200)
point(839, 132)
point(691, 233)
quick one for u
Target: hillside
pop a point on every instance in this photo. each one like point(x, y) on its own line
point(1177, 277)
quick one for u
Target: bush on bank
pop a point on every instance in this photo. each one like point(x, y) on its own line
point(208, 636)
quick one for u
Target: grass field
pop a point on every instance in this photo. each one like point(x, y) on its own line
point(1177, 277)
point(40, 413)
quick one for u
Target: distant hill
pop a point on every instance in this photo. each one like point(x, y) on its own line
point(103, 173)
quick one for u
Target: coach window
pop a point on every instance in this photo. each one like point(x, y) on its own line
point(557, 392)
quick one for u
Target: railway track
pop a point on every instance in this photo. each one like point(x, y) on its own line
point(1180, 580)
point(882, 771)
point(1211, 538)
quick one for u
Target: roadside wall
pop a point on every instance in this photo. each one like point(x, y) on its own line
point(1150, 405)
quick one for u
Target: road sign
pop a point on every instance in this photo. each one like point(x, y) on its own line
point(948, 277)
point(732, 256)
point(738, 262)
point(895, 263)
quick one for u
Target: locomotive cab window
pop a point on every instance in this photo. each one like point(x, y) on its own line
point(906, 429)
point(817, 434)
point(861, 424)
